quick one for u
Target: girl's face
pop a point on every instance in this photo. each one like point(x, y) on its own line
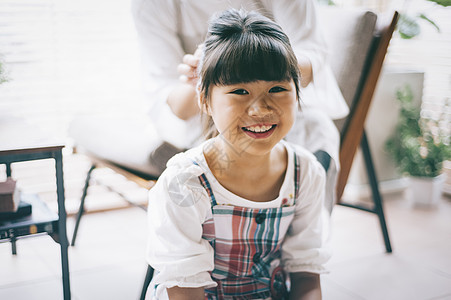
point(253, 117)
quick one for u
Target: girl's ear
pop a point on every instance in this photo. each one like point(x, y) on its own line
point(201, 101)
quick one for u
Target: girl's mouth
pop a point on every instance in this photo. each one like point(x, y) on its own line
point(259, 131)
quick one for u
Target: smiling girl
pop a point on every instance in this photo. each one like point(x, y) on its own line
point(241, 216)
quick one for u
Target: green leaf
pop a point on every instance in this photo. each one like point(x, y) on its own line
point(3, 77)
point(408, 27)
point(442, 2)
point(422, 16)
point(326, 2)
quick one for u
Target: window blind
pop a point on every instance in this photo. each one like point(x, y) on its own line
point(67, 58)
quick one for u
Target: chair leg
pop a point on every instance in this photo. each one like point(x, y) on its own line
point(82, 204)
point(147, 280)
point(378, 208)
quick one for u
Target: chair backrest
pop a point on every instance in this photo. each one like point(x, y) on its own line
point(358, 41)
point(348, 33)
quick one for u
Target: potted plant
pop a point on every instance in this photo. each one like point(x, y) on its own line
point(419, 146)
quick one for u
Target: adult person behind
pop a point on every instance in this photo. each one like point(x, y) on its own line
point(170, 32)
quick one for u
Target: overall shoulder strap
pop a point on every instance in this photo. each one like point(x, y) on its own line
point(206, 184)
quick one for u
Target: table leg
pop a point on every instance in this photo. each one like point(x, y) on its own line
point(13, 238)
point(62, 232)
point(8, 170)
point(13, 245)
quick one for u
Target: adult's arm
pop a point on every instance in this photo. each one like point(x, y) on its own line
point(183, 99)
point(305, 67)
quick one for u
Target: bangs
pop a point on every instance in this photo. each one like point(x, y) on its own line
point(245, 47)
point(253, 60)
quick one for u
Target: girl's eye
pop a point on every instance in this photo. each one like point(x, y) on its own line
point(240, 92)
point(277, 89)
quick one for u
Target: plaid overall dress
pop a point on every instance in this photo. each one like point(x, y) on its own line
point(247, 244)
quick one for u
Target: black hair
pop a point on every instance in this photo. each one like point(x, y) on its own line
point(243, 47)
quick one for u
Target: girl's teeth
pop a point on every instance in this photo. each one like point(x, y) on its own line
point(259, 128)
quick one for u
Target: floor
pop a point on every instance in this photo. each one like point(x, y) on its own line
point(107, 261)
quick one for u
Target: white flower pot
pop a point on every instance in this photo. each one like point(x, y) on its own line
point(425, 191)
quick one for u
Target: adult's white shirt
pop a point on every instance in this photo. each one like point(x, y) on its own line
point(169, 29)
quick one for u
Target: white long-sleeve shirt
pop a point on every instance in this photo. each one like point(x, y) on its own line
point(179, 205)
point(169, 29)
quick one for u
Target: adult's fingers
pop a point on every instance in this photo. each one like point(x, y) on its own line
point(198, 51)
point(191, 60)
point(186, 70)
point(188, 80)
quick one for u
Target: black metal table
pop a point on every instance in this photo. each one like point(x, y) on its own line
point(45, 221)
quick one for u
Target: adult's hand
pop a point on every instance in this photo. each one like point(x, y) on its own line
point(188, 67)
point(183, 99)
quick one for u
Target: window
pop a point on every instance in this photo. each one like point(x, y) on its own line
point(67, 58)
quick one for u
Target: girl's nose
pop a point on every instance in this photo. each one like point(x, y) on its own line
point(259, 107)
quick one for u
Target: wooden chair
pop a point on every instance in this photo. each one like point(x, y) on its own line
point(352, 128)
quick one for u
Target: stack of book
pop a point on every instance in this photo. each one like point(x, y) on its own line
point(10, 205)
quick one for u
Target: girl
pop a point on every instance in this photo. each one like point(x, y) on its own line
point(228, 219)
